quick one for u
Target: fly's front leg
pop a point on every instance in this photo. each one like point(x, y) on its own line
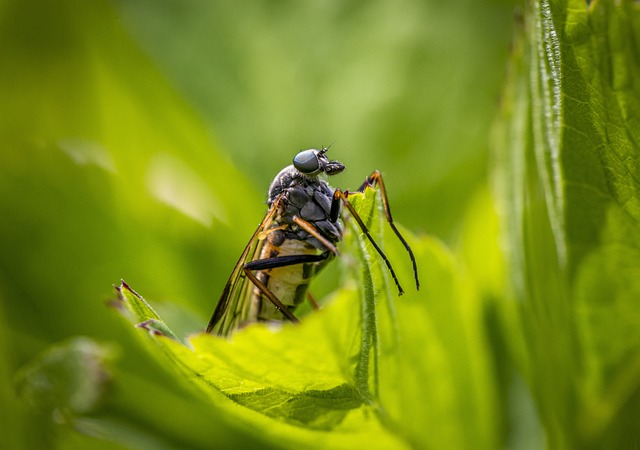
point(273, 263)
point(375, 179)
point(341, 197)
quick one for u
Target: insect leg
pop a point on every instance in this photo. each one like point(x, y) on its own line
point(312, 301)
point(271, 296)
point(339, 196)
point(306, 226)
point(375, 179)
point(284, 261)
point(272, 263)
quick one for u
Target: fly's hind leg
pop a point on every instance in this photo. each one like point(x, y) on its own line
point(273, 263)
point(312, 301)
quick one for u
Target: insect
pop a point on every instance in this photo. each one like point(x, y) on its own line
point(294, 241)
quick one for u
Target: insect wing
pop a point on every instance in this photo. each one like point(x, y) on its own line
point(234, 304)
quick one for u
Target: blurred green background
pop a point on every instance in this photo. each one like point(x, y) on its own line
point(138, 138)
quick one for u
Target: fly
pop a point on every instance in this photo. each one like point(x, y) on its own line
point(294, 241)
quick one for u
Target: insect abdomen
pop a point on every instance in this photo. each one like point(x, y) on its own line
point(289, 284)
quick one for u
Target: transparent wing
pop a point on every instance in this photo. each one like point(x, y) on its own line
point(234, 304)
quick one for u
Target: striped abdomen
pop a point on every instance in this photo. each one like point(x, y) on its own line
point(289, 284)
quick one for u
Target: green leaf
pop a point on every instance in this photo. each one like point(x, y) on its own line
point(572, 190)
point(351, 372)
point(305, 375)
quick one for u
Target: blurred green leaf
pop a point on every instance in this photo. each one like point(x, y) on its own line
point(72, 376)
point(14, 415)
point(67, 152)
point(83, 110)
point(571, 174)
point(67, 381)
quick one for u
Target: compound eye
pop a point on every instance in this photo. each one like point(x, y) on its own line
point(307, 161)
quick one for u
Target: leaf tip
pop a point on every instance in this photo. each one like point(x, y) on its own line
point(156, 328)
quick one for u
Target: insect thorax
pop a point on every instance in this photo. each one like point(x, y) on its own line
point(308, 198)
